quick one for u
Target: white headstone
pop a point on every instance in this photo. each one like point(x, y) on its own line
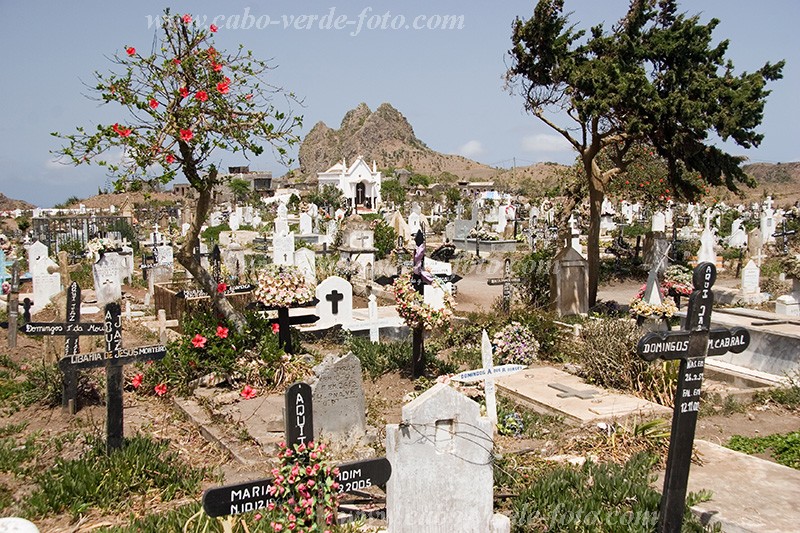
point(306, 261)
point(414, 222)
point(751, 276)
point(335, 304)
point(738, 236)
point(185, 228)
point(106, 273)
point(306, 226)
point(215, 218)
point(165, 254)
point(283, 249)
point(767, 221)
point(441, 457)
point(361, 239)
point(283, 211)
point(659, 222)
point(234, 221)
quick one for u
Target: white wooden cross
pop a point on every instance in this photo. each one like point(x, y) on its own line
point(374, 322)
point(487, 374)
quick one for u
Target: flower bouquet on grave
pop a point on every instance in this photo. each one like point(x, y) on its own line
point(677, 281)
point(482, 235)
point(102, 245)
point(412, 308)
point(515, 344)
point(640, 308)
point(283, 286)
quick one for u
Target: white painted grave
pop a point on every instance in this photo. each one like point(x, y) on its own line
point(335, 306)
point(283, 249)
point(306, 261)
point(106, 274)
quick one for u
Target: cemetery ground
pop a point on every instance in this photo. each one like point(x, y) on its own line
point(173, 459)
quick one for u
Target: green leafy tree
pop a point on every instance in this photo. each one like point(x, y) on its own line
point(329, 196)
point(393, 191)
point(240, 188)
point(656, 78)
point(181, 104)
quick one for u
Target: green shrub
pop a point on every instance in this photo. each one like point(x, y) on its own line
point(534, 271)
point(788, 395)
point(381, 358)
point(253, 354)
point(606, 353)
point(108, 481)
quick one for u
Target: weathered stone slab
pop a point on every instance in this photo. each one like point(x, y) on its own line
point(339, 405)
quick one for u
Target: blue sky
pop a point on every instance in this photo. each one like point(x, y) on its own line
point(447, 82)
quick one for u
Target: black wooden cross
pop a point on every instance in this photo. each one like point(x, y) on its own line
point(418, 281)
point(785, 233)
point(253, 495)
point(113, 359)
point(691, 346)
point(507, 282)
point(285, 321)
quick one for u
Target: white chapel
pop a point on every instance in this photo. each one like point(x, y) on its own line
point(359, 185)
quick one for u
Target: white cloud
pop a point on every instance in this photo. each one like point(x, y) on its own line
point(471, 149)
point(544, 142)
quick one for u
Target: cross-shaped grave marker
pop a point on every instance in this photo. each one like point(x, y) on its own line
point(569, 392)
point(252, 495)
point(113, 359)
point(71, 330)
point(691, 346)
point(487, 374)
point(785, 233)
point(507, 282)
point(285, 321)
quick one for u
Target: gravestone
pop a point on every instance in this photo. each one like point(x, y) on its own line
point(106, 275)
point(306, 226)
point(508, 282)
point(283, 249)
point(706, 253)
point(461, 228)
point(233, 259)
point(441, 457)
point(433, 295)
point(335, 306)
point(569, 283)
point(755, 245)
point(45, 286)
point(738, 236)
point(305, 260)
point(659, 222)
point(126, 264)
point(165, 255)
point(767, 221)
point(751, 277)
point(339, 405)
point(414, 222)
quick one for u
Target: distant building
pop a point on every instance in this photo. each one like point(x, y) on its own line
point(360, 185)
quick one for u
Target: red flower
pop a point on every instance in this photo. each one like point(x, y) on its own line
point(199, 341)
point(248, 96)
point(212, 51)
point(248, 392)
point(137, 381)
point(161, 389)
point(222, 287)
point(119, 130)
point(130, 50)
point(275, 328)
point(201, 95)
point(222, 332)
point(184, 92)
point(213, 28)
point(153, 103)
point(187, 19)
point(170, 159)
point(186, 135)
point(224, 86)
point(217, 67)
point(176, 61)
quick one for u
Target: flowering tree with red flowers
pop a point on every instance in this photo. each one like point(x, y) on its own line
point(183, 101)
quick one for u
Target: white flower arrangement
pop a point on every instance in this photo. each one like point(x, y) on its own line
point(283, 286)
point(100, 245)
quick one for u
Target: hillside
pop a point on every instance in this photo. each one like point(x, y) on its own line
point(10, 204)
point(385, 136)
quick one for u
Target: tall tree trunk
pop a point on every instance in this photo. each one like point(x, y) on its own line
point(596, 195)
point(190, 262)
